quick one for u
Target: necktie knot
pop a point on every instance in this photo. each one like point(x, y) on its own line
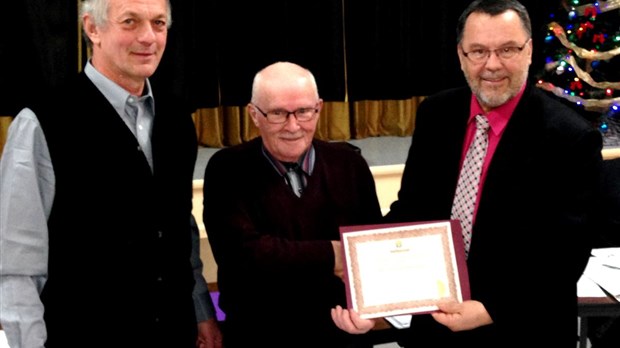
point(290, 165)
point(482, 123)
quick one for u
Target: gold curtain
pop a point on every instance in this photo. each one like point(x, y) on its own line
point(374, 118)
point(5, 121)
point(227, 126)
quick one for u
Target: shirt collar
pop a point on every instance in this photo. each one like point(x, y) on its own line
point(115, 94)
point(498, 117)
point(306, 161)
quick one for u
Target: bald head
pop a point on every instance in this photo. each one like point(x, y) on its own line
point(279, 77)
point(289, 90)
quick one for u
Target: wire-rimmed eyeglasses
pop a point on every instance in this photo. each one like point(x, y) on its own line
point(281, 116)
point(480, 55)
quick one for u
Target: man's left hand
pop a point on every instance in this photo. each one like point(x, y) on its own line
point(462, 316)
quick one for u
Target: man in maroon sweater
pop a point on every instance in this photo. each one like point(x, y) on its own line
point(272, 208)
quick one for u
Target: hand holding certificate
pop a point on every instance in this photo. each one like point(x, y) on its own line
point(404, 268)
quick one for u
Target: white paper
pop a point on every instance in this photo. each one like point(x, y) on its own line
point(416, 271)
point(3, 341)
point(602, 270)
point(608, 256)
point(586, 287)
point(400, 321)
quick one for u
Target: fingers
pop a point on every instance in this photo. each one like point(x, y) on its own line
point(350, 321)
point(215, 342)
point(450, 307)
point(210, 344)
point(462, 316)
point(342, 320)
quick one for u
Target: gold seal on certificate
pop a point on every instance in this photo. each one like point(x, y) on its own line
point(406, 268)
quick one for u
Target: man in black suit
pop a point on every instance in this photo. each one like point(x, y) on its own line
point(537, 188)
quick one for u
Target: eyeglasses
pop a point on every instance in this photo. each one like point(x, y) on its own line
point(481, 55)
point(281, 116)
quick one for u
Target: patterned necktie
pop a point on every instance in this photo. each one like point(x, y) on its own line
point(295, 178)
point(469, 179)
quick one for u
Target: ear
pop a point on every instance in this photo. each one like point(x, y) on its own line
point(459, 53)
point(320, 107)
point(91, 30)
point(531, 49)
point(253, 114)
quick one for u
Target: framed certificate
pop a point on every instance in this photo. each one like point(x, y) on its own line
point(406, 268)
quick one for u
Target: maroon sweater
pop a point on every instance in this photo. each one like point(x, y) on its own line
point(273, 248)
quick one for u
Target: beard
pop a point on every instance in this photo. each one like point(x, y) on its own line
point(493, 97)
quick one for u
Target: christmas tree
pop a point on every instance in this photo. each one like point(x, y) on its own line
point(582, 50)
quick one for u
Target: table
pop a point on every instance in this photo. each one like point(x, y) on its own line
point(594, 307)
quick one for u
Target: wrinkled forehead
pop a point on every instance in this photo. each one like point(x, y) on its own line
point(487, 30)
point(277, 92)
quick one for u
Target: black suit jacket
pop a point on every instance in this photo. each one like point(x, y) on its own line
point(529, 243)
point(608, 231)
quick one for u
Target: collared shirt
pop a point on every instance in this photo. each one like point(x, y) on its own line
point(136, 111)
point(305, 162)
point(27, 192)
point(498, 119)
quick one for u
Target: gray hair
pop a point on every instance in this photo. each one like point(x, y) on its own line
point(98, 10)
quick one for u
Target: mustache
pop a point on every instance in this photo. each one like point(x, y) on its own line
point(493, 76)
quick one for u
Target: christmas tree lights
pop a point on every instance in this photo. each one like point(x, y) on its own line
point(582, 50)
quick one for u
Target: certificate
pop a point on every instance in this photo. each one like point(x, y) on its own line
point(407, 268)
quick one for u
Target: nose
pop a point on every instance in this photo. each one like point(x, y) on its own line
point(291, 121)
point(146, 33)
point(493, 62)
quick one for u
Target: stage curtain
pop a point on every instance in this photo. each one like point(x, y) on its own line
point(237, 127)
point(335, 122)
point(5, 121)
point(374, 118)
point(223, 126)
point(227, 126)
